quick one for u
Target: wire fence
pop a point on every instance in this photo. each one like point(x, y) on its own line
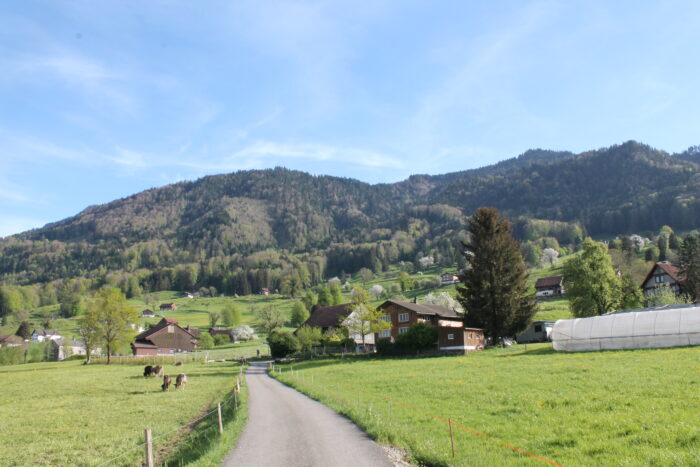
point(368, 402)
point(224, 412)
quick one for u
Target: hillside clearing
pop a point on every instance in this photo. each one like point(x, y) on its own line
point(606, 408)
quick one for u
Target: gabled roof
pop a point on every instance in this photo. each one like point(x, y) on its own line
point(45, 332)
point(550, 281)
point(668, 268)
point(328, 316)
point(11, 339)
point(424, 309)
point(161, 324)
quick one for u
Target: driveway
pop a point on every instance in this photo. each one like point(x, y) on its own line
point(286, 428)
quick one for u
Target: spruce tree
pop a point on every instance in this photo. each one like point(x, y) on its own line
point(493, 290)
point(690, 266)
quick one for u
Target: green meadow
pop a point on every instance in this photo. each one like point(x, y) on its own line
point(631, 408)
point(71, 414)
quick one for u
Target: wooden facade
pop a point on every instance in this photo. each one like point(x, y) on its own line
point(166, 337)
point(663, 274)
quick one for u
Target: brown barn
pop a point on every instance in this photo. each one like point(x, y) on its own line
point(328, 317)
point(168, 306)
point(166, 337)
point(452, 335)
point(225, 332)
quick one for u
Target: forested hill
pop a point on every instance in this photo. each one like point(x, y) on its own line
point(348, 224)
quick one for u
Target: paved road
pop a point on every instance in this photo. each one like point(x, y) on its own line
point(286, 428)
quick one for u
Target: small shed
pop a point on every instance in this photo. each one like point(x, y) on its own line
point(552, 286)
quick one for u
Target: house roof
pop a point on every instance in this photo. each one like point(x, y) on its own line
point(194, 331)
point(668, 268)
point(550, 281)
point(424, 309)
point(328, 316)
point(143, 345)
point(161, 324)
point(11, 339)
point(167, 305)
point(216, 332)
point(45, 332)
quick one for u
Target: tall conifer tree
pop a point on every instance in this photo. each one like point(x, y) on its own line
point(493, 290)
point(690, 265)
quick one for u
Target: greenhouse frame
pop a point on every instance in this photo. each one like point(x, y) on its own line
point(667, 326)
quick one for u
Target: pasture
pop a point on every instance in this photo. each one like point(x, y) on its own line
point(632, 408)
point(70, 414)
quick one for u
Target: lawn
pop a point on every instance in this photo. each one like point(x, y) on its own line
point(70, 414)
point(577, 409)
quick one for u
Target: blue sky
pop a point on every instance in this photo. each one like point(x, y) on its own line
point(100, 100)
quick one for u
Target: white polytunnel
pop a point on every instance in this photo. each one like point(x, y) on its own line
point(667, 326)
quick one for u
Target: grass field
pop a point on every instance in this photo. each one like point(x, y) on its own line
point(69, 414)
point(632, 408)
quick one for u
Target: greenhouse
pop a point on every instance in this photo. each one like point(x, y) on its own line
point(667, 326)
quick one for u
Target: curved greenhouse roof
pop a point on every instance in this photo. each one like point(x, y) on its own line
point(668, 326)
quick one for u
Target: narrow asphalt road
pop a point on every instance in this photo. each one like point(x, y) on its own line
point(286, 428)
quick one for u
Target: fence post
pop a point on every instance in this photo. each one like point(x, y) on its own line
point(221, 425)
point(452, 443)
point(149, 448)
point(235, 399)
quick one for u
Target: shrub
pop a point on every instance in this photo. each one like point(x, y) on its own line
point(420, 336)
point(11, 355)
point(206, 341)
point(385, 347)
point(222, 339)
point(282, 343)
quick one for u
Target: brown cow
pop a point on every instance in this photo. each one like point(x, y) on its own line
point(148, 371)
point(167, 379)
point(181, 380)
point(158, 371)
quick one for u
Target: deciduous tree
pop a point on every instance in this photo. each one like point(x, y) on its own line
point(590, 281)
point(110, 318)
point(299, 314)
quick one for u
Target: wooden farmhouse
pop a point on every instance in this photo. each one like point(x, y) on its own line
point(552, 286)
point(663, 274)
point(147, 314)
point(166, 337)
point(452, 334)
point(333, 317)
point(168, 306)
point(448, 278)
point(537, 331)
point(41, 335)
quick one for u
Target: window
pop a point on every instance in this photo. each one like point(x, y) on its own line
point(659, 279)
point(450, 337)
point(171, 329)
point(386, 318)
point(538, 328)
point(403, 329)
point(385, 333)
point(403, 317)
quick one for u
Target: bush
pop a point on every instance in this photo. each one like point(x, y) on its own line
point(75, 357)
point(420, 336)
point(222, 339)
point(206, 341)
point(11, 355)
point(385, 347)
point(282, 343)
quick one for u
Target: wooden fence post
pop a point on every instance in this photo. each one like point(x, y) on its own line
point(221, 425)
point(452, 443)
point(149, 448)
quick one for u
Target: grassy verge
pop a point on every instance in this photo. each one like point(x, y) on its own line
point(69, 414)
point(605, 408)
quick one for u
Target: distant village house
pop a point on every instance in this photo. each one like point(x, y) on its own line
point(552, 286)
point(537, 331)
point(168, 306)
point(11, 341)
point(41, 335)
point(147, 314)
point(448, 278)
point(663, 274)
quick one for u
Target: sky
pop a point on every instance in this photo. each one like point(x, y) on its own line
point(102, 99)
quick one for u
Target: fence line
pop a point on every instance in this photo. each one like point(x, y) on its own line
point(191, 424)
point(449, 421)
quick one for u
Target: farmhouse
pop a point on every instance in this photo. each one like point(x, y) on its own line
point(538, 331)
point(333, 317)
point(147, 314)
point(552, 286)
point(663, 274)
point(60, 349)
point(166, 337)
point(452, 335)
point(448, 278)
point(40, 335)
point(168, 306)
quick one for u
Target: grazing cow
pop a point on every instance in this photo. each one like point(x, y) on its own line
point(181, 380)
point(158, 371)
point(167, 379)
point(148, 371)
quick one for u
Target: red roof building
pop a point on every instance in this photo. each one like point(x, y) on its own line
point(166, 337)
